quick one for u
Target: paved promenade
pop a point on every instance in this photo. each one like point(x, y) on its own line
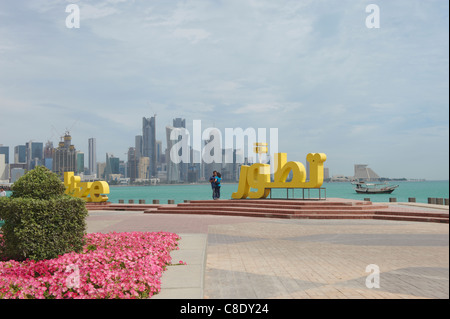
point(245, 257)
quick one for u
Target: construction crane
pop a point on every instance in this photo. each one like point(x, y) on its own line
point(71, 127)
point(57, 132)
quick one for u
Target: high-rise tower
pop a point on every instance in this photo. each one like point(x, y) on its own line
point(20, 154)
point(149, 142)
point(34, 154)
point(183, 167)
point(173, 168)
point(48, 155)
point(92, 156)
point(65, 156)
point(5, 150)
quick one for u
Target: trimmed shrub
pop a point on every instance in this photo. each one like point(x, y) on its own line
point(39, 183)
point(41, 224)
point(42, 229)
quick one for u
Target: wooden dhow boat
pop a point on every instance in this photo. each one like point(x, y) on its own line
point(374, 188)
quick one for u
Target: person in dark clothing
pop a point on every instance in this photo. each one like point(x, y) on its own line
point(212, 180)
point(218, 181)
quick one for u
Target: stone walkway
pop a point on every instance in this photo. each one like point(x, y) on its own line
point(245, 257)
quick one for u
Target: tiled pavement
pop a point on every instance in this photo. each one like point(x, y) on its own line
point(279, 258)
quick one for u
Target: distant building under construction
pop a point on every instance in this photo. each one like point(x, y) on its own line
point(65, 157)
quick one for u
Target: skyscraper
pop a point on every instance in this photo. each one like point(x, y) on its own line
point(179, 122)
point(173, 168)
point(138, 146)
point(35, 154)
point(149, 142)
point(48, 155)
point(20, 154)
point(80, 162)
point(92, 156)
point(143, 168)
point(5, 150)
point(183, 167)
point(65, 157)
point(112, 166)
point(132, 164)
point(4, 176)
point(158, 151)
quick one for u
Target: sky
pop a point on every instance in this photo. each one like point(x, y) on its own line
point(310, 68)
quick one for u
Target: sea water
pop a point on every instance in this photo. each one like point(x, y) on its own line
point(421, 191)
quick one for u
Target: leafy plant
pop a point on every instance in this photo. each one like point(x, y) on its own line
point(40, 221)
point(39, 183)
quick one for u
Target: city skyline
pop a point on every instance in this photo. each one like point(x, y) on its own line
point(361, 171)
point(314, 70)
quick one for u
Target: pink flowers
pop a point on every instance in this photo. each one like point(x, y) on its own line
point(114, 265)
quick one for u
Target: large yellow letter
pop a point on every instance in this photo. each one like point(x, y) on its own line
point(315, 169)
point(243, 187)
point(84, 190)
point(258, 177)
point(68, 183)
point(75, 188)
point(97, 189)
point(282, 170)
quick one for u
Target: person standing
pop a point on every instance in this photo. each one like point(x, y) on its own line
point(218, 181)
point(212, 180)
point(2, 192)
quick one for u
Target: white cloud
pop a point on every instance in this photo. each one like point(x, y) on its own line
point(88, 11)
point(192, 35)
point(44, 6)
point(181, 14)
point(257, 108)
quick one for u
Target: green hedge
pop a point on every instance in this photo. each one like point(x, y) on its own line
point(39, 183)
point(42, 229)
point(40, 221)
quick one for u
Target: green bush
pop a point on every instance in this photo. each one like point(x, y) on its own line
point(39, 183)
point(41, 228)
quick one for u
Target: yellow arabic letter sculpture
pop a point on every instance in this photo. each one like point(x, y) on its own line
point(282, 170)
point(243, 187)
point(316, 161)
point(88, 191)
point(257, 176)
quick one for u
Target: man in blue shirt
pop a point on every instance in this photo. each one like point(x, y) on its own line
point(218, 185)
point(212, 180)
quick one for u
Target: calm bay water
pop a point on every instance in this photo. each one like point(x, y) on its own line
point(420, 190)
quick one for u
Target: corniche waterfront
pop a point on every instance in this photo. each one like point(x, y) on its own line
point(420, 190)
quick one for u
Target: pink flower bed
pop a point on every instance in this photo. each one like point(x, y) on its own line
point(114, 265)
